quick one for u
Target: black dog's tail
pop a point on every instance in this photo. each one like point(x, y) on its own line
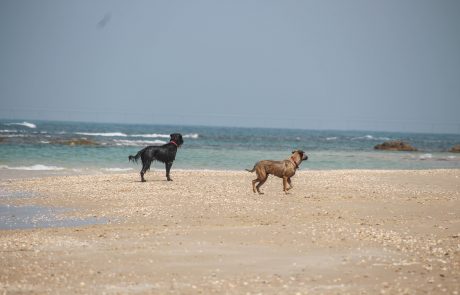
point(136, 157)
point(253, 169)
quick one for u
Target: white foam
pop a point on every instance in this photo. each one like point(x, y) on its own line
point(25, 124)
point(123, 142)
point(15, 135)
point(108, 134)
point(192, 135)
point(37, 167)
point(426, 156)
point(370, 137)
point(8, 131)
point(159, 135)
point(148, 135)
point(331, 138)
point(153, 135)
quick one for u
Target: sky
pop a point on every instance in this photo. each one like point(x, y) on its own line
point(389, 65)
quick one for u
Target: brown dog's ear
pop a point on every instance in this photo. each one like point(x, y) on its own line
point(294, 151)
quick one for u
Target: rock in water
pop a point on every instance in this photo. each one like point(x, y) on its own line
point(455, 149)
point(396, 145)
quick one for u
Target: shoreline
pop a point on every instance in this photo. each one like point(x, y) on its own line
point(338, 231)
point(17, 174)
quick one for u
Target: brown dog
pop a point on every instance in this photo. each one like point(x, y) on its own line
point(284, 169)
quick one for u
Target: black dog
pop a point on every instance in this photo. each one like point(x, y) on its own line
point(165, 153)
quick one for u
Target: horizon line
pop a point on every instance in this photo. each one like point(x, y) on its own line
point(230, 126)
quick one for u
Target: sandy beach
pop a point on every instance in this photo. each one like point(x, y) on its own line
point(337, 232)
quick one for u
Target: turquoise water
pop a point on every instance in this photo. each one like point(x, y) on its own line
point(45, 145)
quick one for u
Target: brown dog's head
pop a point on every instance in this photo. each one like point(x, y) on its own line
point(299, 155)
point(177, 138)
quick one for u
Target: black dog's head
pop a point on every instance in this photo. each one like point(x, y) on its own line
point(177, 138)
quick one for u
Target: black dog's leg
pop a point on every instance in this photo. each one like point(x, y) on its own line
point(145, 167)
point(142, 175)
point(168, 168)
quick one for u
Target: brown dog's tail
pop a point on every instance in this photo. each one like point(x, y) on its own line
point(253, 169)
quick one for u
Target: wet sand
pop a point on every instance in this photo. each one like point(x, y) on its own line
point(337, 232)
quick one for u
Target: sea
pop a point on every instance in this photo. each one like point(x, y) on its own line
point(82, 147)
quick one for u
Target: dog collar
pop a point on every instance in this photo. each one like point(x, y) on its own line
point(294, 162)
point(172, 141)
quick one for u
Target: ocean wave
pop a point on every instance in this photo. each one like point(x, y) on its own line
point(433, 157)
point(370, 137)
point(123, 142)
point(153, 135)
point(159, 135)
point(8, 131)
point(192, 135)
point(331, 138)
point(15, 135)
point(37, 167)
point(148, 135)
point(25, 124)
point(441, 158)
point(425, 156)
point(108, 134)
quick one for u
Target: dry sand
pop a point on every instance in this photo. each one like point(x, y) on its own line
point(337, 232)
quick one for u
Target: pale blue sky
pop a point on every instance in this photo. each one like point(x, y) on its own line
point(375, 65)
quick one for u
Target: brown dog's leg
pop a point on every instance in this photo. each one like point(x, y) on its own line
point(261, 182)
point(290, 183)
point(261, 178)
point(254, 184)
point(285, 182)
